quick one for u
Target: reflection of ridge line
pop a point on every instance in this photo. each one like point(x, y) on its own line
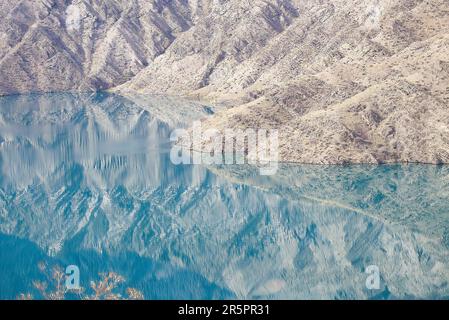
point(334, 204)
point(331, 203)
point(328, 203)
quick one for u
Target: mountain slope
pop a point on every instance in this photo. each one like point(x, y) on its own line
point(384, 100)
point(56, 45)
point(343, 81)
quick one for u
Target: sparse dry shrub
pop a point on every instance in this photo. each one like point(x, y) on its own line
point(134, 294)
point(105, 289)
point(25, 297)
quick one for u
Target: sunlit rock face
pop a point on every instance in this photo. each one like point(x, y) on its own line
point(88, 180)
point(58, 45)
point(359, 81)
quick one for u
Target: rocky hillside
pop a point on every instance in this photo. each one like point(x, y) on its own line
point(53, 45)
point(343, 81)
point(352, 85)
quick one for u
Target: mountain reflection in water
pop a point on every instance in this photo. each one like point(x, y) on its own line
point(87, 180)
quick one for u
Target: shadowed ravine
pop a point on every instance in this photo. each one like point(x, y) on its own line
point(87, 180)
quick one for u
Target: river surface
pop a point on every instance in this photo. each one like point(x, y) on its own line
point(87, 181)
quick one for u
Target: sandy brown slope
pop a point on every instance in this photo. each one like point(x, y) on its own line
point(346, 81)
point(342, 81)
point(42, 49)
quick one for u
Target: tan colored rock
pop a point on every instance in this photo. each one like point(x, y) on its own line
point(343, 81)
point(55, 45)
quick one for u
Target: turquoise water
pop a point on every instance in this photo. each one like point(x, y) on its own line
point(87, 180)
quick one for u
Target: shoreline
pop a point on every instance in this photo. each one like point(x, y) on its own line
point(127, 95)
